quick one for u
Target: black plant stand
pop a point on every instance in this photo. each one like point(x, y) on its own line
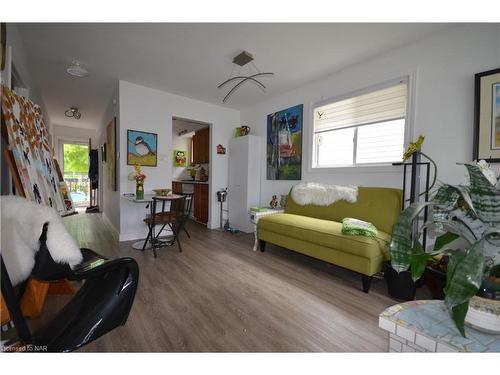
point(415, 194)
point(401, 286)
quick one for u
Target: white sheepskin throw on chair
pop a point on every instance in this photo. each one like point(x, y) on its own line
point(322, 194)
point(22, 225)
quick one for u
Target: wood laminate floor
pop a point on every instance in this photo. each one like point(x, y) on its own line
point(220, 296)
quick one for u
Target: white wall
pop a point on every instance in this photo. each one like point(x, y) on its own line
point(443, 67)
point(20, 62)
point(142, 108)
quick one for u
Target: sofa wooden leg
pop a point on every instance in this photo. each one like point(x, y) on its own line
point(367, 281)
point(262, 245)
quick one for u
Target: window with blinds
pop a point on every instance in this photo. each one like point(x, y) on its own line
point(365, 129)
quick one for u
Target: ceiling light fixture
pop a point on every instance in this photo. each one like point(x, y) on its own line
point(73, 112)
point(77, 70)
point(244, 59)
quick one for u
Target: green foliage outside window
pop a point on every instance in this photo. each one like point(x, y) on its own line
point(76, 158)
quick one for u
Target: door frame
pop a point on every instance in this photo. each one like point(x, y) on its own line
point(60, 141)
point(210, 162)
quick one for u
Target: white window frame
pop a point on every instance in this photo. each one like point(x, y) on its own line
point(373, 167)
point(60, 141)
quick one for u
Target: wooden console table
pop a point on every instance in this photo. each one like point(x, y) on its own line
point(426, 326)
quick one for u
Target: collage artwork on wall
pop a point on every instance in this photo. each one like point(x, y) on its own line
point(284, 144)
point(142, 148)
point(180, 158)
point(34, 160)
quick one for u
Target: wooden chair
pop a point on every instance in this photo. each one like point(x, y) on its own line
point(188, 206)
point(173, 218)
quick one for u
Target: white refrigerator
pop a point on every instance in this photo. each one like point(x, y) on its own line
point(245, 155)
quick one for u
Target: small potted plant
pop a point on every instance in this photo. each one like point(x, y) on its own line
point(138, 175)
point(400, 285)
point(467, 221)
point(192, 171)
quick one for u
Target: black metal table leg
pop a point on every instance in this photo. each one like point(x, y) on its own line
point(147, 238)
point(175, 229)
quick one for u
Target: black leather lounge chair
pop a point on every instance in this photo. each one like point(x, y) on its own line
point(101, 304)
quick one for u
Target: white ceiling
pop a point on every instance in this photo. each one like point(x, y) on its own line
point(192, 59)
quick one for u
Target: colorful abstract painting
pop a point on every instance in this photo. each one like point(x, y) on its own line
point(284, 144)
point(141, 148)
point(29, 141)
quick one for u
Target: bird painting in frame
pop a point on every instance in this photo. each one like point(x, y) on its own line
point(142, 148)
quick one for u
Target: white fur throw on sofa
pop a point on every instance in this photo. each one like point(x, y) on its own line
point(22, 225)
point(322, 194)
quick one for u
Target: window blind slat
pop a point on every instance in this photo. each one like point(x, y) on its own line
point(361, 120)
point(377, 106)
point(336, 107)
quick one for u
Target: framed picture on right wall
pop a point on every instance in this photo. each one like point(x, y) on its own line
point(487, 116)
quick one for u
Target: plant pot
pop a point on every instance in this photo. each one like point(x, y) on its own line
point(484, 315)
point(399, 285)
point(490, 288)
point(435, 281)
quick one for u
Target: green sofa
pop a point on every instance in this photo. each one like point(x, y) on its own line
point(316, 230)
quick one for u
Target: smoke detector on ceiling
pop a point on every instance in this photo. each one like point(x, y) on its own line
point(77, 70)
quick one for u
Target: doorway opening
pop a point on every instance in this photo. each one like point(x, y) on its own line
point(75, 173)
point(192, 167)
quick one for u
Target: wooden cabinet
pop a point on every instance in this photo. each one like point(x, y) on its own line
point(201, 146)
point(200, 198)
point(200, 209)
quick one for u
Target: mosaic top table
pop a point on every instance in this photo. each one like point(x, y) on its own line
point(256, 215)
point(426, 326)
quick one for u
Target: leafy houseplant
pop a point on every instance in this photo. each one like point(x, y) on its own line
point(467, 220)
